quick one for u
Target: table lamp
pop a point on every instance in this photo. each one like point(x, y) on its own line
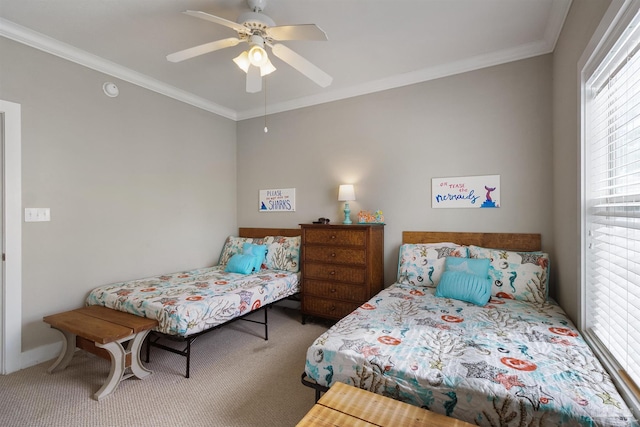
point(346, 193)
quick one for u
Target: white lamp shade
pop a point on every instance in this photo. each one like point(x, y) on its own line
point(242, 61)
point(267, 68)
point(257, 56)
point(346, 193)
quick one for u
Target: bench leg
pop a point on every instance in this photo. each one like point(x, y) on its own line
point(68, 348)
point(116, 371)
point(135, 347)
point(118, 354)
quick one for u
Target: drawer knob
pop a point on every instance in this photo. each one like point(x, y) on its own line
point(333, 254)
point(333, 236)
point(333, 308)
point(333, 291)
point(333, 273)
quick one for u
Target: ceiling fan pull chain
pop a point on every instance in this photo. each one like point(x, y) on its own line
point(265, 105)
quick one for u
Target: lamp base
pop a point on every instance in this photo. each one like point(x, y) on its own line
point(347, 214)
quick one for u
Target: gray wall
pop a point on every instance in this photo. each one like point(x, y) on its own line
point(582, 20)
point(142, 184)
point(138, 185)
point(391, 144)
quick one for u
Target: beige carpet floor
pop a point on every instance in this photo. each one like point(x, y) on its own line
point(237, 379)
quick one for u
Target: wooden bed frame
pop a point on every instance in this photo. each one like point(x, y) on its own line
point(261, 232)
point(524, 242)
point(154, 337)
point(508, 241)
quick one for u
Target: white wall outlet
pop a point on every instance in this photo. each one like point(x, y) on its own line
point(37, 214)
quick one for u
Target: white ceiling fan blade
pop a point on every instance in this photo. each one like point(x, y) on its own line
point(216, 19)
point(254, 80)
point(202, 49)
point(301, 64)
point(297, 32)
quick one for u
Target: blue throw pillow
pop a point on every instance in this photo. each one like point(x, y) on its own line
point(258, 251)
point(464, 287)
point(240, 263)
point(476, 266)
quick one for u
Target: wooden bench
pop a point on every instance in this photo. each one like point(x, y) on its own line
point(345, 405)
point(104, 332)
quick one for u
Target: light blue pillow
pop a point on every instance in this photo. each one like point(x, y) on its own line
point(258, 251)
point(240, 263)
point(476, 266)
point(464, 287)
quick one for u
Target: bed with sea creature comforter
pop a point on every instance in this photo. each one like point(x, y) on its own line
point(516, 360)
point(190, 303)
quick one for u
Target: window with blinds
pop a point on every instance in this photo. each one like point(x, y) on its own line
point(612, 178)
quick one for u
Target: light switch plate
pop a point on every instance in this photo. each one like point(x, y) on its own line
point(37, 214)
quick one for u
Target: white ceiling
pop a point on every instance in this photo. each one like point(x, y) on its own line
point(373, 44)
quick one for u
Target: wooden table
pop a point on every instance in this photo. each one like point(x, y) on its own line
point(344, 405)
point(103, 331)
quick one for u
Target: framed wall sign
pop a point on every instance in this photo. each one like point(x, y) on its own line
point(466, 192)
point(278, 200)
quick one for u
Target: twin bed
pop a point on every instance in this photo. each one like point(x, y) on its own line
point(515, 361)
point(190, 303)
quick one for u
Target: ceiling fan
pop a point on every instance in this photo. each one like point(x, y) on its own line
point(258, 30)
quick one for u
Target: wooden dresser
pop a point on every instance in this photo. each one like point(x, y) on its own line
point(342, 267)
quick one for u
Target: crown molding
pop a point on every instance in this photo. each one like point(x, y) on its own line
point(557, 16)
point(55, 47)
point(26, 36)
point(414, 77)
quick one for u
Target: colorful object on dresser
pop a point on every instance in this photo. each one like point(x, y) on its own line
point(367, 217)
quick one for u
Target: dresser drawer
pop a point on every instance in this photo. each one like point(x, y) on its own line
point(327, 307)
point(335, 255)
point(334, 272)
point(330, 236)
point(321, 288)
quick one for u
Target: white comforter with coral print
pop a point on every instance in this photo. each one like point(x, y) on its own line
point(509, 363)
point(189, 302)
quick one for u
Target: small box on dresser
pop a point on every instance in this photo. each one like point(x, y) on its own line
point(342, 267)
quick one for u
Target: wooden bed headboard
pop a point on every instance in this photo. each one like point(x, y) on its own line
point(261, 232)
point(508, 241)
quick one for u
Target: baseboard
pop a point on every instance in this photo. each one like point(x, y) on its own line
point(40, 354)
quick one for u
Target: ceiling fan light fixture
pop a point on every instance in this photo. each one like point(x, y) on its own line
point(267, 68)
point(259, 31)
point(258, 56)
point(242, 61)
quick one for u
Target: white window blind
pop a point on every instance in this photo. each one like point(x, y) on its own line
point(612, 153)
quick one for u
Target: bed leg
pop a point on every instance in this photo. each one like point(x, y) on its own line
point(188, 356)
point(266, 326)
